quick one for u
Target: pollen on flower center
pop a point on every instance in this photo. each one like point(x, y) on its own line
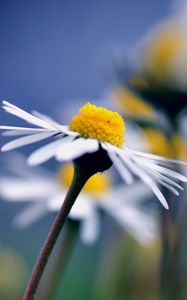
point(96, 185)
point(99, 123)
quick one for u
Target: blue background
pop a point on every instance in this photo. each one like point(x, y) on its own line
point(52, 51)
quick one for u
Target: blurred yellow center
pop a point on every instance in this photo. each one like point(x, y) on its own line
point(159, 144)
point(162, 49)
point(133, 105)
point(99, 123)
point(97, 184)
point(180, 147)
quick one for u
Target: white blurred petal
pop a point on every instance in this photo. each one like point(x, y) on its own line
point(56, 200)
point(136, 222)
point(82, 207)
point(30, 215)
point(127, 194)
point(13, 189)
point(16, 163)
point(90, 227)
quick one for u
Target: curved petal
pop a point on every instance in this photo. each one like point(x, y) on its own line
point(123, 171)
point(13, 130)
point(22, 114)
point(144, 177)
point(46, 152)
point(76, 148)
point(26, 140)
point(162, 170)
point(155, 157)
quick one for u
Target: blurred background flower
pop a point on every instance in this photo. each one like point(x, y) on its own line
point(123, 203)
point(156, 66)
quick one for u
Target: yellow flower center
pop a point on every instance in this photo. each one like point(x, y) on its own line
point(132, 105)
point(96, 185)
point(99, 123)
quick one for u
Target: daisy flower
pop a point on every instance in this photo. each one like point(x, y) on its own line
point(51, 188)
point(95, 138)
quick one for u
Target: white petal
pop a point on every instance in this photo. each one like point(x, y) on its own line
point(13, 130)
point(163, 170)
point(47, 119)
point(89, 230)
point(123, 171)
point(157, 178)
point(29, 215)
point(156, 157)
point(46, 152)
point(145, 178)
point(62, 128)
point(76, 148)
point(67, 131)
point(16, 111)
point(26, 140)
point(158, 175)
point(169, 187)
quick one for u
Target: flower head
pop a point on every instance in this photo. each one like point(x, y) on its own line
point(96, 152)
point(99, 123)
point(97, 195)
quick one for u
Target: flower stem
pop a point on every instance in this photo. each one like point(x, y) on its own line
point(57, 265)
point(79, 179)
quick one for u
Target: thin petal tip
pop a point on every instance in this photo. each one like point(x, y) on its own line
point(166, 206)
point(4, 148)
point(32, 162)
